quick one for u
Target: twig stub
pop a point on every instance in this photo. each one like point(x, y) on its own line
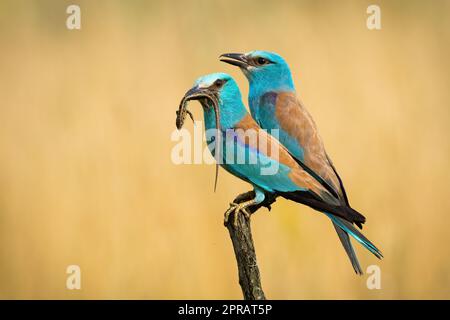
point(244, 249)
point(249, 277)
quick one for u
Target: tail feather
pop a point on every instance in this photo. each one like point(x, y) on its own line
point(345, 240)
point(358, 236)
point(311, 200)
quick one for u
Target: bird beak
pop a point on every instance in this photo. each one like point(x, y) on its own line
point(235, 59)
point(196, 93)
point(203, 95)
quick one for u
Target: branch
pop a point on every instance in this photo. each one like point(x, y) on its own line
point(241, 236)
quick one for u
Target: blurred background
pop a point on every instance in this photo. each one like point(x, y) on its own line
point(86, 176)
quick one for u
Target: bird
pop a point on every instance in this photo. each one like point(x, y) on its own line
point(238, 136)
point(274, 104)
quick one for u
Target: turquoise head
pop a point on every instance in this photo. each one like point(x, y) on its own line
point(220, 98)
point(265, 71)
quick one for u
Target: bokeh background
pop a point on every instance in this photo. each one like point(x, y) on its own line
point(86, 175)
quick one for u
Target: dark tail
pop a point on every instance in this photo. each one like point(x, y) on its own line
point(358, 236)
point(345, 240)
point(343, 211)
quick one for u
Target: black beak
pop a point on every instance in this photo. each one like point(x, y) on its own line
point(196, 93)
point(235, 59)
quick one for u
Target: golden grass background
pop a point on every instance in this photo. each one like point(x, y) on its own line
point(86, 176)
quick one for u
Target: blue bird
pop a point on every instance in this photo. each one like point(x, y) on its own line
point(240, 137)
point(274, 105)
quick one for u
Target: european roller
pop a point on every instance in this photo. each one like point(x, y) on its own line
point(274, 105)
point(239, 137)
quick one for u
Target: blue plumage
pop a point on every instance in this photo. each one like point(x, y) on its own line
point(243, 149)
point(274, 105)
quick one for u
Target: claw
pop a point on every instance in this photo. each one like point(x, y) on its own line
point(237, 208)
point(242, 211)
point(229, 211)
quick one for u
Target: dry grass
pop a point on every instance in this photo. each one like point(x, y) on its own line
point(85, 170)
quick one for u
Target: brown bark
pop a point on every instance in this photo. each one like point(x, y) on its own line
point(244, 249)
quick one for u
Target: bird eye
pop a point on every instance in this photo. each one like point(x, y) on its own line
point(261, 61)
point(218, 83)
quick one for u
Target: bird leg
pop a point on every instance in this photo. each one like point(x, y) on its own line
point(268, 200)
point(239, 208)
point(248, 203)
point(243, 197)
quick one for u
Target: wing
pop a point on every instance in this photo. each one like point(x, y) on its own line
point(344, 193)
point(256, 150)
point(297, 123)
point(252, 153)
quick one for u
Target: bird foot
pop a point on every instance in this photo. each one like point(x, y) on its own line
point(237, 208)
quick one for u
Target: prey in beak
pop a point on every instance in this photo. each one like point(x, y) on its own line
point(204, 95)
point(236, 59)
point(192, 94)
point(181, 114)
point(208, 98)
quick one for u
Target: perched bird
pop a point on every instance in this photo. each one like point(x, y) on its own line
point(240, 137)
point(274, 105)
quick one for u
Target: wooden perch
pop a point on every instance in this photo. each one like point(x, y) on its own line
point(241, 236)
